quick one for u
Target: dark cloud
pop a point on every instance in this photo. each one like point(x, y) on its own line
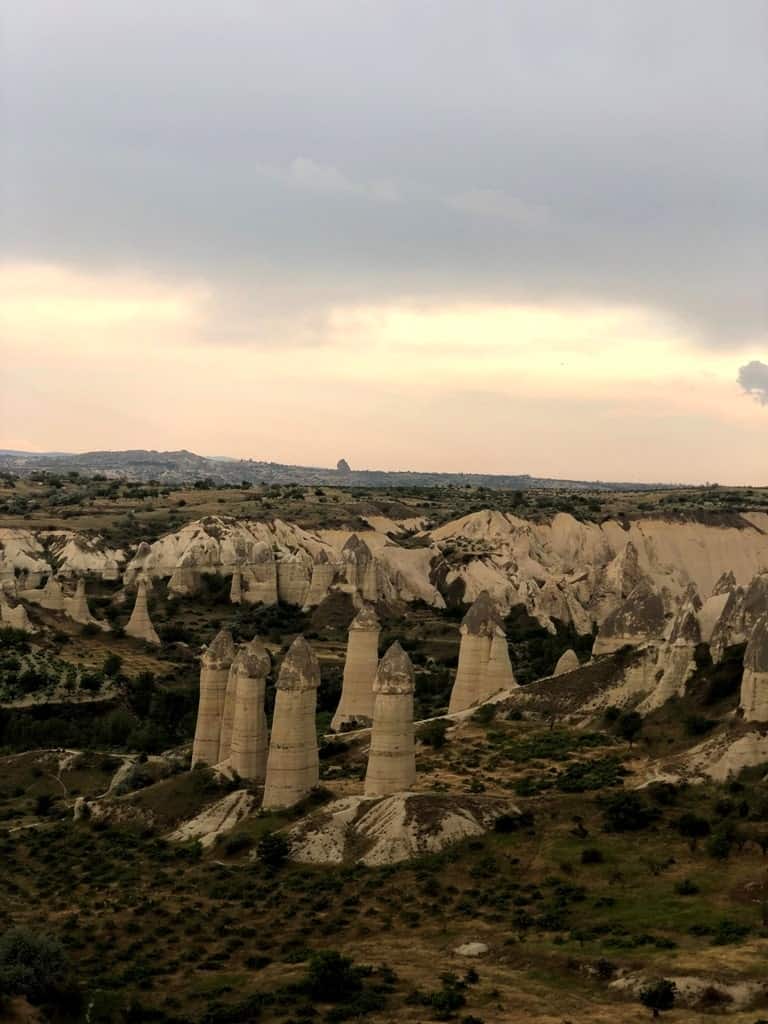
point(753, 377)
point(355, 150)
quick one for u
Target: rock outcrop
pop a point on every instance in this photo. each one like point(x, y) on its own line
point(357, 697)
point(14, 614)
point(753, 701)
point(293, 767)
point(248, 749)
point(294, 572)
point(638, 620)
point(140, 625)
point(236, 587)
point(391, 829)
point(392, 756)
point(323, 576)
point(743, 608)
point(76, 608)
point(567, 662)
point(360, 568)
point(473, 683)
point(215, 664)
point(676, 660)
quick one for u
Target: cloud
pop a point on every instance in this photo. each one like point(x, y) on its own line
point(753, 378)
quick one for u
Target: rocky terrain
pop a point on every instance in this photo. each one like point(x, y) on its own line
point(447, 766)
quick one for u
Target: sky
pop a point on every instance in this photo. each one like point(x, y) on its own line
point(505, 236)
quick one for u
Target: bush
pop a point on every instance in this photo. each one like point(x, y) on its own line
point(628, 812)
point(433, 733)
point(32, 965)
point(332, 978)
point(273, 849)
point(659, 996)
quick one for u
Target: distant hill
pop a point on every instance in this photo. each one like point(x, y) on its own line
point(186, 467)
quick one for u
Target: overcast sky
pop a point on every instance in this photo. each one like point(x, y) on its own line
point(482, 235)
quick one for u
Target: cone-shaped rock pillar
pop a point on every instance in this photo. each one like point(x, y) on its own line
point(478, 628)
point(140, 625)
point(392, 757)
point(499, 674)
point(78, 605)
point(567, 662)
point(248, 749)
point(323, 575)
point(236, 588)
point(259, 579)
point(215, 664)
point(676, 661)
point(293, 766)
point(52, 596)
point(754, 683)
point(360, 567)
point(638, 620)
point(357, 698)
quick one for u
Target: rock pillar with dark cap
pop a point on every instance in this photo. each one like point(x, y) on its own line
point(356, 701)
point(248, 749)
point(392, 757)
point(293, 767)
point(478, 628)
point(215, 664)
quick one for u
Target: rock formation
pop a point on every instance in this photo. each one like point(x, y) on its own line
point(14, 614)
point(293, 578)
point(392, 756)
point(323, 575)
point(140, 624)
point(52, 596)
point(248, 749)
point(293, 767)
point(77, 607)
point(742, 610)
point(260, 576)
point(478, 628)
point(498, 672)
point(360, 567)
point(236, 588)
point(567, 662)
point(754, 684)
point(638, 620)
point(357, 698)
point(215, 664)
point(676, 661)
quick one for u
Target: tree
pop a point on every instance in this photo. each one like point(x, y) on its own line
point(332, 978)
point(630, 725)
point(628, 812)
point(31, 964)
point(273, 849)
point(692, 827)
point(659, 996)
point(112, 664)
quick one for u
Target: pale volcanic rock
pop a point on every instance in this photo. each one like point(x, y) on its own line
point(248, 748)
point(14, 614)
point(76, 555)
point(710, 614)
point(567, 662)
point(478, 628)
point(76, 608)
point(392, 756)
point(360, 567)
point(293, 767)
point(294, 572)
point(22, 554)
point(724, 585)
point(140, 624)
point(236, 587)
point(389, 830)
point(638, 620)
point(498, 672)
point(676, 658)
point(215, 663)
point(323, 576)
point(259, 577)
point(753, 701)
point(741, 613)
point(51, 596)
point(357, 697)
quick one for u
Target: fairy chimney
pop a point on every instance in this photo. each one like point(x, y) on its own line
point(356, 701)
point(392, 756)
point(293, 767)
point(248, 748)
point(478, 628)
point(215, 664)
point(140, 624)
